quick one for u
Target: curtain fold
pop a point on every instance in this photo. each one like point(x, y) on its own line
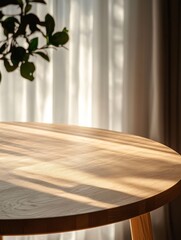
point(172, 101)
point(121, 72)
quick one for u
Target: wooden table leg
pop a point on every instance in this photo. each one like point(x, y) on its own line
point(141, 227)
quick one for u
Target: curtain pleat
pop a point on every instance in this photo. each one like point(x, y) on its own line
point(173, 90)
point(173, 96)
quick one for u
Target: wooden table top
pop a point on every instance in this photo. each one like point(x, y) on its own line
point(56, 178)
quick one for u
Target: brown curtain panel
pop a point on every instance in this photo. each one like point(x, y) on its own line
point(152, 100)
point(171, 22)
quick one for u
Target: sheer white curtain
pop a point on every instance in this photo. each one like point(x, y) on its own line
point(81, 85)
point(107, 78)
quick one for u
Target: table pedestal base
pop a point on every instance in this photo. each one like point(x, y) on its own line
point(141, 227)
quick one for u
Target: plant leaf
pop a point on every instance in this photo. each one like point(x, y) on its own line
point(26, 57)
point(2, 48)
point(43, 55)
point(49, 24)
point(33, 21)
point(27, 69)
point(33, 44)
point(1, 15)
point(65, 30)
point(28, 8)
point(8, 66)
point(17, 55)
point(30, 19)
point(4, 3)
point(20, 2)
point(9, 24)
point(59, 38)
point(38, 1)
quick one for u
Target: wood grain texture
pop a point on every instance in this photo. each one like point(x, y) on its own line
point(141, 227)
point(56, 178)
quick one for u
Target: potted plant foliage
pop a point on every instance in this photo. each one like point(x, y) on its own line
point(21, 33)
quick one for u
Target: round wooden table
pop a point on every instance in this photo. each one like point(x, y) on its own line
point(57, 178)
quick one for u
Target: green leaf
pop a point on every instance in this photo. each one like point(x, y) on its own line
point(4, 3)
point(32, 20)
point(49, 24)
point(2, 48)
point(8, 66)
point(59, 38)
point(17, 55)
point(1, 15)
point(27, 69)
point(65, 30)
point(38, 1)
point(28, 8)
point(9, 24)
point(26, 57)
point(33, 44)
point(43, 55)
point(20, 2)
point(21, 29)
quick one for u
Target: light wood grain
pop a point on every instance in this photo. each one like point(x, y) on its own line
point(141, 227)
point(56, 178)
